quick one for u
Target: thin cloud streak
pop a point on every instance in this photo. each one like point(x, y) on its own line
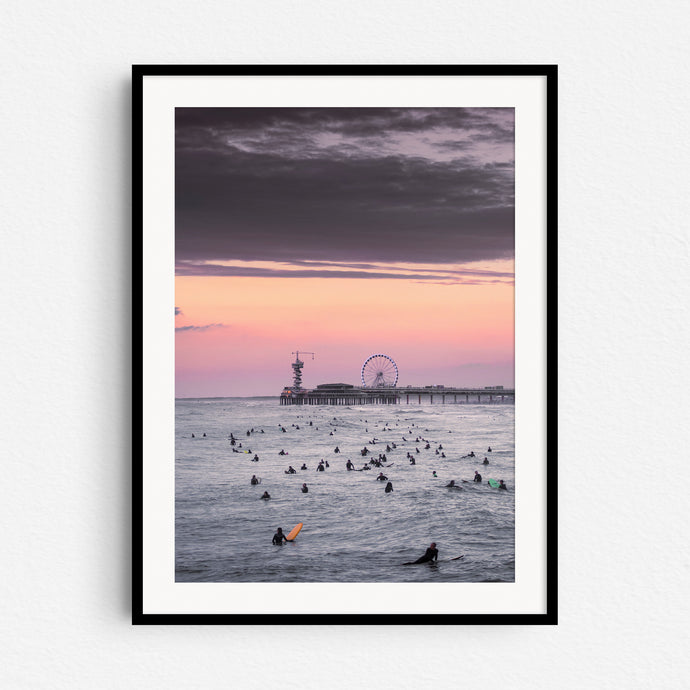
point(459, 277)
point(199, 329)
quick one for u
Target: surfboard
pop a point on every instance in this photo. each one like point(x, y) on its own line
point(493, 483)
point(295, 532)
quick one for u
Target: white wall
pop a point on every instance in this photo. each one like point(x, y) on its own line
point(624, 294)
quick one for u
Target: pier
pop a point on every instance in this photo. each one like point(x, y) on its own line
point(345, 394)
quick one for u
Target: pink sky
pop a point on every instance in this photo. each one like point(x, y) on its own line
point(236, 334)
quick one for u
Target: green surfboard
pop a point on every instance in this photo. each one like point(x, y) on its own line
point(494, 483)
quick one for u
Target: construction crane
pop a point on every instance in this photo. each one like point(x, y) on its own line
point(297, 370)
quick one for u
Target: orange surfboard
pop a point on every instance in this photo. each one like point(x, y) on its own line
point(295, 532)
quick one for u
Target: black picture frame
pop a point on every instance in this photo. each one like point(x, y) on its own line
point(139, 614)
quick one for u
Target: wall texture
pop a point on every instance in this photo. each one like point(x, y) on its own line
point(624, 325)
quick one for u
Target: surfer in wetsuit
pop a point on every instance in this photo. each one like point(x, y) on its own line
point(305, 489)
point(290, 470)
point(389, 487)
point(501, 485)
point(382, 477)
point(266, 495)
point(254, 480)
point(304, 467)
point(279, 537)
point(477, 477)
point(486, 461)
point(349, 465)
point(431, 554)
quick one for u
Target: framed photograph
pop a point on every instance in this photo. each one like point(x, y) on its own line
point(345, 344)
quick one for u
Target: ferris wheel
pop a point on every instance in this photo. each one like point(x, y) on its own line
point(379, 371)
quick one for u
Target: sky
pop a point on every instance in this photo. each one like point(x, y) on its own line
point(344, 232)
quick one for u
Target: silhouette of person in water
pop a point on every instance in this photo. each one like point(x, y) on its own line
point(279, 537)
point(266, 495)
point(477, 477)
point(431, 554)
point(389, 487)
point(305, 489)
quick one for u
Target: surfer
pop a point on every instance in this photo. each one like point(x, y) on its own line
point(412, 461)
point(451, 485)
point(431, 554)
point(433, 474)
point(320, 467)
point(477, 477)
point(290, 470)
point(488, 450)
point(382, 477)
point(266, 495)
point(389, 487)
point(501, 485)
point(254, 480)
point(304, 467)
point(486, 461)
point(305, 489)
point(255, 458)
point(279, 537)
point(349, 465)
point(336, 450)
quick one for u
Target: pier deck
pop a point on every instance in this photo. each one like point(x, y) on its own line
point(344, 394)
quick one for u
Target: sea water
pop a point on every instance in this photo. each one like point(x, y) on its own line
point(353, 531)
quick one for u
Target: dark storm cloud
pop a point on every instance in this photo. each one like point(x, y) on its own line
point(351, 185)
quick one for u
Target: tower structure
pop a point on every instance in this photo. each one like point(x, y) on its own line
point(297, 371)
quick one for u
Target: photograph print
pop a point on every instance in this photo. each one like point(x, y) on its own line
point(344, 345)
